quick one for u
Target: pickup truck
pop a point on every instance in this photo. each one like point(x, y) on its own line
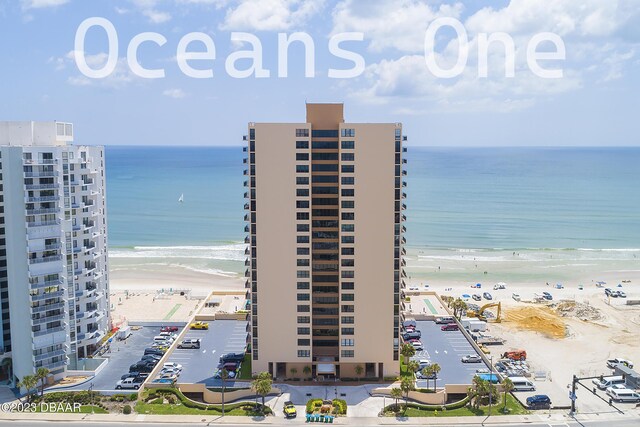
point(128, 383)
point(611, 363)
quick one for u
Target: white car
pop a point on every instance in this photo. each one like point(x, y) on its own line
point(167, 376)
point(170, 371)
point(174, 365)
point(417, 345)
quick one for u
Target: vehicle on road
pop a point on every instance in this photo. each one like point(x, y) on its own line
point(190, 343)
point(409, 322)
point(539, 401)
point(200, 325)
point(289, 410)
point(487, 296)
point(476, 297)
point(449, 327)
point(547, 296)
point(445, 320)
point(151, 358)
point(522, 384)
point(612, 363)
point(169, 329)
point(471, 358)
point(128, 383)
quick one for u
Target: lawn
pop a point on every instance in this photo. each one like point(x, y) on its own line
point(404, 372)
point(245, 369)
point(84, 409)
point(513, 406)
point(180, 409)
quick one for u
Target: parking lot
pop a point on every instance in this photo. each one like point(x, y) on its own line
point(199, 365)
point(446, 348)
point(123, 354)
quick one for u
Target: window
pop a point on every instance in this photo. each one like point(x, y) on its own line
point(302, 168)
point(302, 274)
point(348, 216)
point(348, 263)
point(303, 251)
point(348, 145)
point(347, 331)
point(347, 274)
point(398, 133)
point(324, 168)
point(325, 179)
point(302, 204)
point(304, 133)
point(348, 180)
point(348, 133)
point(302, 180)
point(348, 228)
point(347, 353)
point(348, 297)
point(348, 157)
point(304, 353)
point(349, 320)
point(304, 342)
point(302, 227)
point(348, 192)
point(302, 145)
point(302, 157)
point(303, 263)
point(348, 239)
point(321, 133)
point(348, 342)
point(348, 204)
point(348, 309)
point(303, 239)
point(304, 331)
point(301, 216)
point(303, 285)
point(324, 156)
point(304, 319)
point(302, 192)
point(348, 169)
point(348, 251)
point(303, 297)
point(303, 309)
point(325, 190)
point(347, 286)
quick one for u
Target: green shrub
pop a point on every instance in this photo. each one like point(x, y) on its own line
point(312, 404)
point(126, 410)
point(341, 406)
point(157, 401)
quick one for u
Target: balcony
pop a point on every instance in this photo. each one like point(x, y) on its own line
point(404, 207)
point(404, 183)
point(47, 284)
point(40, 161)
point(49, 331)
point(74, 183)
point(48, 307)
point(245, 172)
point(76, 227)
point(50, 354)
point(247, 262)
point(247, 251)
point(247, 273)
point(404, 173)
point(246, 229)
point(41, 174)
point(41, 186)
point(247, 206)
point(404, 195)
point(91, 245)
point(42, 223)
point(246, 218)
point(42, 260)
point(47, 319)
point(404, 149)
point(55, 365)
point(88, 181)
point(247, 240)
point(247, 284)
point(87, 203)
point(42, 211)
point(43, 199)
point(48, 295)
point(245, 183)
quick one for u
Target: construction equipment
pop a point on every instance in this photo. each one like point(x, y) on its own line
point(480, 313)
point(515, 355)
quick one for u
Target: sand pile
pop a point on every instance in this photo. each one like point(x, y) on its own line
point(538, 319)
point(578, 310)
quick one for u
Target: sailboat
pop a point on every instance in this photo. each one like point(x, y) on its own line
point(181, 199)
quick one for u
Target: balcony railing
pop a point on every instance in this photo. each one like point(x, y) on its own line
point(47, 284)
point(42, 199)
point(41, 174)
point(45, 259)
point(42, 211)
point(40, 161)
point(47, 319)
point(50, 354)
point(48, 331)
point(47, 307)
point(42, 186)
point(48, 295)
point(42, 223)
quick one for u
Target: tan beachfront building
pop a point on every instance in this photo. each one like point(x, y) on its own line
point(324, 211)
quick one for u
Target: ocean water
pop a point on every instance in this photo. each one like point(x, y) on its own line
point(469, 209)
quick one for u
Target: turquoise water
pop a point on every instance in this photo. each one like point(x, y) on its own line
point(492, 200)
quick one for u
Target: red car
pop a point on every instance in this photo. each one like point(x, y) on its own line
point(449, 327)
point(169, 329)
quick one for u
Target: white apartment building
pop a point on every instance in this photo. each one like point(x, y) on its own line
point(54, 287)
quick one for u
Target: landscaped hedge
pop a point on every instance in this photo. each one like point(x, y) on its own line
point(204, 406)
point(341, 405)
point(456, 405)
point(312, 404)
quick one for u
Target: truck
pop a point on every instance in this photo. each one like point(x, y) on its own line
point(123, 333)
point(477, 326)
point(128, 383)
point(515, 355)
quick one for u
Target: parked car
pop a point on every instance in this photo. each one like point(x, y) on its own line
point(417, 345)
point(232, 357)
point(169, 329)
point(171, 371)
point(141, 367)
point(172, 365)
point(487, 296)
point(151, 358)
point(445, 320)
point(412, 335)
point(230, 366)
point(167, 376)
point(538, 401)
point(199, 325)
point(289, 410)
point(547, 296)
point(152, 350)
point(471, 358)
point(409, 322)
point(189, 343)
point(421, 376)
point(608, 292)
point(621, 294)
point(611, 363)
point(218, 374)
point(449, 327)
point(476, 297)
point(128, 383)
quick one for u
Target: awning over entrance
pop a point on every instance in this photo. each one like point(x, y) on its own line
point(326, 369)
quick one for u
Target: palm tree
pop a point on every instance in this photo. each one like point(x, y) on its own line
point(407, 351)
point(306, 371)
point(294, 371)
point(41, 376)
point(481, 389)
point(262, 386)
point(435, 370)
point(427, 371)
point(459, 307)
point(29, 383)
point(359, 371)
point(507, 386)
point(407, 384)
point(224, 374)
point(413, 366)
point(396, 393)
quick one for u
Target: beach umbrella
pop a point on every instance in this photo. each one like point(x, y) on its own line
point(466, 296)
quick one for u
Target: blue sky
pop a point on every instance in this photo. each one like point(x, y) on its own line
point(596, 103)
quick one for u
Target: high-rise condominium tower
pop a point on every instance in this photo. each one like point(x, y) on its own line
point(53, 249)
point(325, 245)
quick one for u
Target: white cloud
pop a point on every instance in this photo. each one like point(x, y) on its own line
point(148, 8)
point(271, 15)
point(121, 76)
point(174, 93)
point(40, 4)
